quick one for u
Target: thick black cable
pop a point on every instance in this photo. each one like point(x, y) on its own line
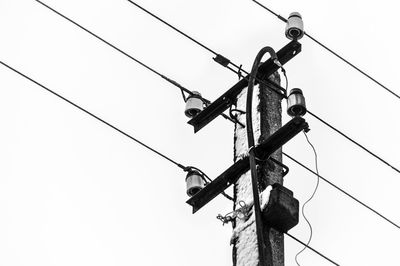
point(227, 117)
point(342, 190)
point(263, 82)
point(353, 141)
point(183, 89)
point(253, 168)
point(309, 247)
point(332, 52)
point(94, 116)
point(311, 197)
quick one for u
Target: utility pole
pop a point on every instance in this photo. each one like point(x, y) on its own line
point(267, 118)
point(252, 238)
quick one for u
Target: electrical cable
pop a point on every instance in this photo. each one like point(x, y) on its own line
point(253, 167)
point(309, 247)
point(227, 117)
point(353, 141)
point(184, 168)
point(172, 27)
point(183, 89)
point(332, 52)
point(312, 196)
point(125, 134)
point(341, 190)
point(240, 69)
point(167, 158)
point(94, 116)
point(182, 33)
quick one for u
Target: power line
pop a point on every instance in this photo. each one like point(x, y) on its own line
point(332, 52)
point(309, 247)
point(183, 89)
point(94, 116)
point(184, 168)
point(172, 27)
point(341, 190)
point(134, 139)
point(207, 101)
point(260, 81)
point(353, 141)
point(126, 134)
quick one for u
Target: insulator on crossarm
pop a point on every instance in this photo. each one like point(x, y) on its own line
point(194, 105)
point(296, 103)
point(194, 182)
point(294, 26)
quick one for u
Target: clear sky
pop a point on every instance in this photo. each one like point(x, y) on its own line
point(75, 192)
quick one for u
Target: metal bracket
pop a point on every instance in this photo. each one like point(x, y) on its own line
point(285, 168)
point(223, 102)
point(233, 173)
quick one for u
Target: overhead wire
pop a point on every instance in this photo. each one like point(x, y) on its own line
point(311, 197)
point(309, 247)
point(260, 81)
point(352, 141)
point(182, 88)
point(184, 168)
point(341, 190)
point(131, 137)
point(94, 116)
point(208, 102)
point(153, 150)
point(332, 52)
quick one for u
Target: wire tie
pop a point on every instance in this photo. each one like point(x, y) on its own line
point(240, 72)
point(251, 149)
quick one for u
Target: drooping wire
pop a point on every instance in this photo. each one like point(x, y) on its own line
point(227, 117)
point(311, 197)
point(332, 52)
point(261, 81)
point(309, 247)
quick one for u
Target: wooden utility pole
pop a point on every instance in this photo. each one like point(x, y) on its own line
point(267, 118)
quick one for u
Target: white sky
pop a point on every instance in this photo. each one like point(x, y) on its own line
point(75, 192)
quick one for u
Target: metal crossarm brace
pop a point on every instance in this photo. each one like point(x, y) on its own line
point(232, 174)
point(223, 102)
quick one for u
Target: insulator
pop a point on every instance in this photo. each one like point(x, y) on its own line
point(194, 104)
point(194, 183)
point(294, 26)
point(296, 104)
